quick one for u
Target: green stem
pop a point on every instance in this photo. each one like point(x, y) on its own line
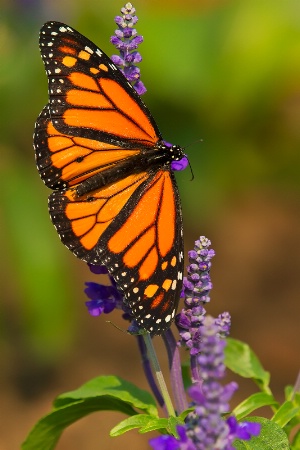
point(159, 375)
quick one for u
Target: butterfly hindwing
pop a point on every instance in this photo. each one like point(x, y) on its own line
point(134, 228)
point(151, 256)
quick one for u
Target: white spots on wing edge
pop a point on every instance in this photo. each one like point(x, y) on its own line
point(88, 49)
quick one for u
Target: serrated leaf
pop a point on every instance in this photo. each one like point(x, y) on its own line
point(252, 403)
point(285, 413)
point(242, 360)
point(113, 386)
point(271, 437)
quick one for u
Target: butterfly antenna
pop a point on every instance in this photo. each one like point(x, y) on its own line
point(115, 326)
point(192, 143)
point(191, 171)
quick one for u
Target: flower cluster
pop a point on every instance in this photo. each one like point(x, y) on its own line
point(205, 425)
point(205, 428)
point(196, 288)
point(126, 40)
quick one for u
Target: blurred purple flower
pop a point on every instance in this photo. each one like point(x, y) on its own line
point(205, 426)
point(242, 430)
point(167, 442)
point(223, 321)
point(103, 299)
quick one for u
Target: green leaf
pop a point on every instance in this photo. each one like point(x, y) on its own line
point(296, 441)
point(285, 413)
point(147, 423)
point(48, 430)
point(290, 394)
point(186, 373)
point(184, 413)
point(111, 386)
point(143, 421)
point(252, 403)
point(100, 394)
point(172, 425)
point(271, 437)
point(242, 360)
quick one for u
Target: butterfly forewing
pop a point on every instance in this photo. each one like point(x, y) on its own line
point(96, 127)
point(89, 97)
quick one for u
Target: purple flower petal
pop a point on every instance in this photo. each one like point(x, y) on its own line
point(164, 442)
point(95, 291)
point(117, 60)
point(180, 165)
point(95, 307)
point(98, 269)
point(140, 87)
point(246, 430)
point(167, 442)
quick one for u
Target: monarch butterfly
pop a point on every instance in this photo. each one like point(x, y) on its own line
point(115, 199)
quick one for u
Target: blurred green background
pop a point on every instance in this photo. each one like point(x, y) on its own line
point(226, 72)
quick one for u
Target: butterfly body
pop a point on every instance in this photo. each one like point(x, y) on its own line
point(148, 160)
point(115, 200)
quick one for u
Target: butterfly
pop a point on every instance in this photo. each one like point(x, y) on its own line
point(115, 201)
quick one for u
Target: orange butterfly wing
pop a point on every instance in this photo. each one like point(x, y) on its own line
point(113, 203)
point(89, 97)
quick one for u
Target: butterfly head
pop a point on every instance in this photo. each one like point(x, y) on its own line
point(179, 160)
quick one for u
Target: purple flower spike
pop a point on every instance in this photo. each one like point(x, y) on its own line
point(126, 40)
point(205, 425)
point(205, 428)
point(196, 287)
